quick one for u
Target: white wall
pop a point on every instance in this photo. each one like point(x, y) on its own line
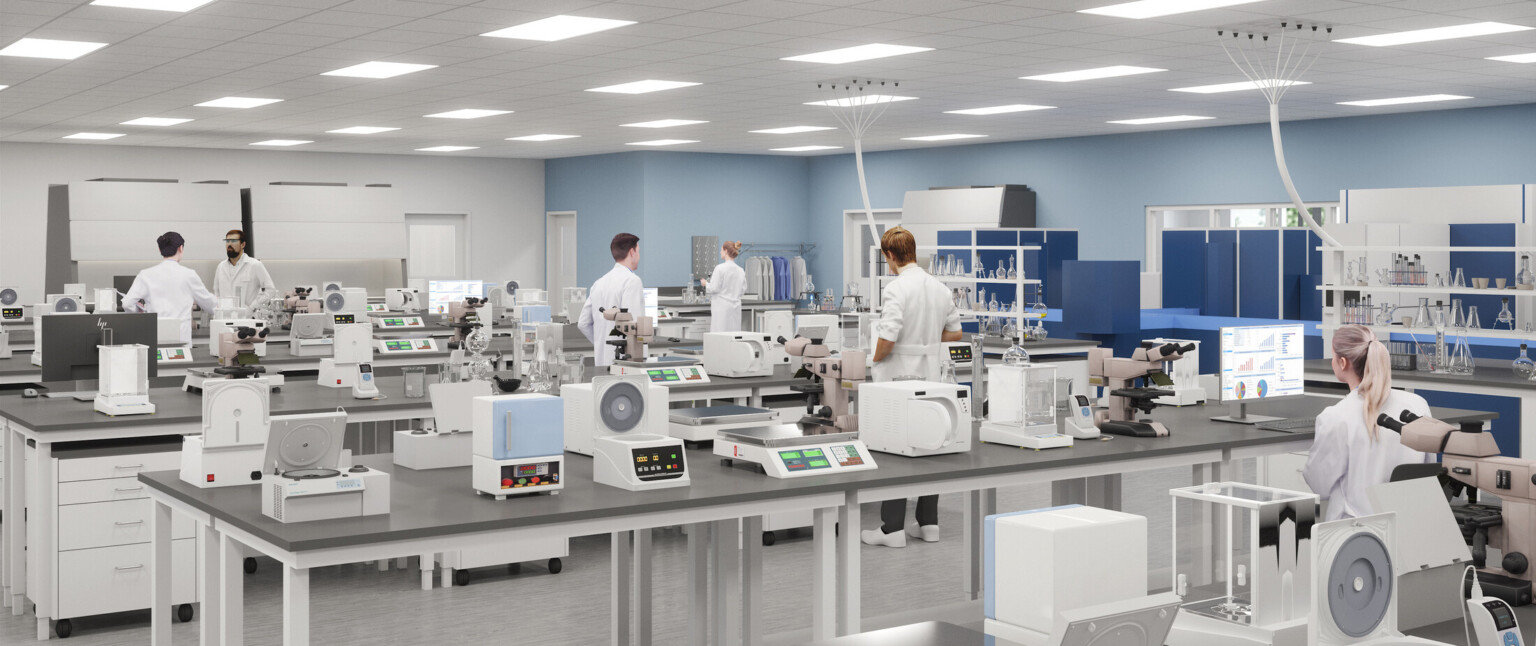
point(503, 197)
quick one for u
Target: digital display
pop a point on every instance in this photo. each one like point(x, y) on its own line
point(959, 353)
point(789, 455)
point(523, 476)
point(657, 464)
point(377, 308)
point(1503, 617)
point(1261, 362)
point(813, 453)
point(440, 293)
point(397, 346)
point(803, 460)
point(10, 312)
point(171, 354)
point(343, 319)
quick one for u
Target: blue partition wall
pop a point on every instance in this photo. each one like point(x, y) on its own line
point(1184, 269)
point(1220, 274)
point(1252, 273)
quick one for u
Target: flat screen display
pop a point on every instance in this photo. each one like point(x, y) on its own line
point(1261, 362)
point(440, 293)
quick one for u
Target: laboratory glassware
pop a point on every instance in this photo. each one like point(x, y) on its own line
point(1506, 318)
point(1523, 366)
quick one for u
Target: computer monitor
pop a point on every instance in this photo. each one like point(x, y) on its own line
point(652, 302)
point(69, 341)
point(441, 293)
point(1260, 362)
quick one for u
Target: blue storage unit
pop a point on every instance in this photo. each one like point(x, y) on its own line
point(1258, 272)
point(1483, 264)
point(1258, 267)
point(1101, 296)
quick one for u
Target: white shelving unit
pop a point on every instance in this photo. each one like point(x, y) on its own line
point(1020, 285)
point(1382, 330)
point(1526, 293)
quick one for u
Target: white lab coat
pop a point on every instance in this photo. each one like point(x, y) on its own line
point(247, 275)
point(915, 311)
point(1344, 463)
point(726, 285)
point(620, 287)
point(170, 290)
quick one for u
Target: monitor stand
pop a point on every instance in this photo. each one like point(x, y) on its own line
point(1239, 415)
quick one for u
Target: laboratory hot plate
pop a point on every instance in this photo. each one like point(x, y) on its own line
point(787, 451)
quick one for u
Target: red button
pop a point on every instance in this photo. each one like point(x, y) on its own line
point(506, 482)
point(535, 480)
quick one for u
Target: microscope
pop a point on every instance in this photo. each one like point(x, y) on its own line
point(1470, 462)
point(632, 332)
point(1119, 376)
point(463, 317)
point(833, 380)
point(238, 357)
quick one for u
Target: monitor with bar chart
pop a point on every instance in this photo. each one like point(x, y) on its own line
point(1261, 362)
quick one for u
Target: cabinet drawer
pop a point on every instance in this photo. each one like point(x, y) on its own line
point(105, 524)
point(116, 579)
point(117, 466)
point(81, 491)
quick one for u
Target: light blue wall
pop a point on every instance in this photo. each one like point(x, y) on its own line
point(666, 198)
point(1102, 185)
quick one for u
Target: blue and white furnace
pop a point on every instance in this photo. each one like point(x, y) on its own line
point(519, 443)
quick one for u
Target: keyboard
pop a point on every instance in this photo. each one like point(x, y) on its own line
point(1287, 425)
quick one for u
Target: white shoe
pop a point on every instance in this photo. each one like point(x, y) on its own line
point(929, 533)
point(877, 537)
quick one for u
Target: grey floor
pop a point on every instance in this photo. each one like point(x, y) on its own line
point(356, 604)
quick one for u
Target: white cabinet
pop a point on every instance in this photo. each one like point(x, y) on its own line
point(109, 524)
point(116, 579)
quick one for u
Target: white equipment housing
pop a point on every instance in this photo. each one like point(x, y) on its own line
point(827, 326)
point(740, 354)
point(217, 327)
point(307, 337)
point(585, 419)
point(236, 421)
point(797, 456)
point(1185, 372)
point(346, 495)
point(640, 462)
point(1350, 608)
point(448, 444)
point(406, 346)
point(105, 299)
point(70, 303)
point(330, 286)
point(123, 380)
point(402, 299)
point(915, 418)
point(406, 323)
point(1023, 408)
point(519, 444)
point(663, 371)
point(5, 344)
point(348, 300)
point(353, 345)
point(11, 308)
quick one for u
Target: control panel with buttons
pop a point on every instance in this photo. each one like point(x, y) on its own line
point(530, 475)
point(659, 463)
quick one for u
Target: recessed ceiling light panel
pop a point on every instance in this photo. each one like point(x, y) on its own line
point(282, 142)
point(446, 149)
point(862, 99)
point(1238, 86)
point(468, 113)
point(94, 135)
point(361, 130)
point(1001, 109)
point(662, 142)
point(157, 5)
point(1094, 73)
point(1155, 8)
point(1515, 58)
point(803, 149)
point(240, 102)
point(859, 53)
point(556, 28)
point(790, 130)
point(642, 87)
point(155, 121)
point(1471, 30)
point(542, 137)
point(1427, 98)
point(1152, 120)
point(941, 137)
point(378, 70)
point(63, 50)
point(663, 123)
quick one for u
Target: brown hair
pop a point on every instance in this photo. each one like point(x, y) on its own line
point(1369, 360)
point(235, 231)
point(900, 244)
point(731, 248)
point(621, 245)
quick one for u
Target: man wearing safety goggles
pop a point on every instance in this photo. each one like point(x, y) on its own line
point(243, 278)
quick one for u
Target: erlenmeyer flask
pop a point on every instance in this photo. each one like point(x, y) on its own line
point(1459, 281)
point(1422, 319)
point(1461, 359)
point(1472, 322)
point(980, 300)
point(1457, 320)
point(947, 372)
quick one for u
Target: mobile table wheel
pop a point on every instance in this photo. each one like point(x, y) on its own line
point(769, 538)
point(184, 612)
point(461, 577)
point(555, 565)
point(250, 565)
point(63, 628)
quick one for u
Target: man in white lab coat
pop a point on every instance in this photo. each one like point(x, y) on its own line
point(621, 288)
point(242, 275)
point(169, 289)
point(917, 314)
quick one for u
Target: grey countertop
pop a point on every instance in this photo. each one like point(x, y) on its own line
point(1487, 373)
point(440, 502)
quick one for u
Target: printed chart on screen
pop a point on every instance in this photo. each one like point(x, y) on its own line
point(442, 292)
point(1261, 362)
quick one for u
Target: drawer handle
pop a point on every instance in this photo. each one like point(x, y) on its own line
point(121, 568)
point(127, 489)
point(128, 466)
point(131, 522)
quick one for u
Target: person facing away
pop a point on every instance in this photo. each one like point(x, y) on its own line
point(725, 286)
point(620, 287)
point(169, 289)
point(917, 314)
point(243, 278)
point(1350, 454)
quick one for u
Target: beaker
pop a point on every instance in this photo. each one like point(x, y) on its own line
point(415, 380)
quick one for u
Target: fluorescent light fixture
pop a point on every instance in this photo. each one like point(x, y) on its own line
point(1002, 109)
point(361, 130)
point(1240, 85)
point(854, 54)
point(941, 137)
point(282, 142)
point(157, 5)
point(789, 130)
point(2, 87)
point(468, 113)
point(1154, 8)
point(663, 123)
point(1438, 33)
point(154, 121)
point(862, 99)
point(1371, 103)
point(378, 70)
point(641, 87)
point(241, 102)
point(1512, 58)
point(1094, 73)
point(541, 137)
point(803, 149)
point(94, 135)
point(556, 28)
point(445, 149)
point(1151, 120)
point(44, 48)
point(662, 142)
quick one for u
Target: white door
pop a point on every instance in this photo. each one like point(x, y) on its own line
point(857, 239)
point(438, 248)
point(560, 252)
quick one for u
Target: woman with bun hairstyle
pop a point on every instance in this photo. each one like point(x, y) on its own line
point(1350, 454)
point(725, 286)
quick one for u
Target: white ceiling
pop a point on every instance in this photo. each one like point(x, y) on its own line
point(159, 64)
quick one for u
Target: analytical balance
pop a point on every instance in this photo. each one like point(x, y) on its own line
point(915, 418)
point(236, 420)
point(612, 405)
point(787, 451)
point(123, 378)
point(519, 444)
point(1023, 408)
point(741, 354)
point(389, 347)
point(396, 323)
point(704, 423)
point(664, 371)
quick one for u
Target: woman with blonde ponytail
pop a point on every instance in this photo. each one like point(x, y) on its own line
point(725, 286)
point(1349, 453)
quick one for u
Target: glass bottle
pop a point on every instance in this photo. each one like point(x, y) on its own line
point(982, 298)
point(947, 372)
point(1525, 279)
point(1523, 366)
point(1506, 317)
point(1013, 272)
point(1015, 355)
point(1439, 282)
point(1001, 273)
point(992, 305)
point(1442, 354)
point(1349, 278)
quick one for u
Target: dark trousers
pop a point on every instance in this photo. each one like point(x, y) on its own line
point(893, 513)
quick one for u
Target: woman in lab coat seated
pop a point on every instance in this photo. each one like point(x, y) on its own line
point(917, 314)
point(725, 286)
point(1350, 454)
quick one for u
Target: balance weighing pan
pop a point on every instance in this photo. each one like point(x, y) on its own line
point(659, 362)
point(726, 414)
point(782, 435)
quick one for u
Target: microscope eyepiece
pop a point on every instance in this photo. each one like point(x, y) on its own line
point(1384, 420)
